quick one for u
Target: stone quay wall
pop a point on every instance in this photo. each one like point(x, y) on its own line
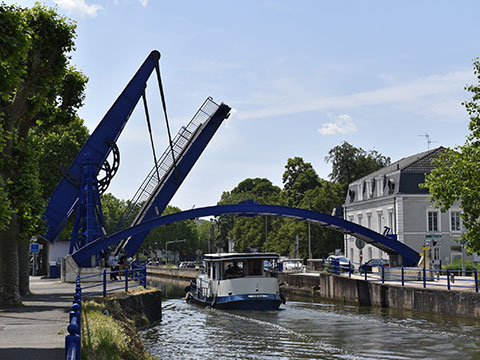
point(368, 293)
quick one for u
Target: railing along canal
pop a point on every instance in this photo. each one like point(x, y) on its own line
point(450, 279)
point(73, 340)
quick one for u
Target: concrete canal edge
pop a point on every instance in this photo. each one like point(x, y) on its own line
point(184, 274)
point(369, 293)
point(116, 320)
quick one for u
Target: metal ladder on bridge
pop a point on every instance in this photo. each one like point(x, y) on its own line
point(153, 183)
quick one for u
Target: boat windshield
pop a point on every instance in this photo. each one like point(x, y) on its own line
point(241, 268)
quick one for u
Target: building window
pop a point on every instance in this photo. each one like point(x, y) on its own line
point(359, 217)
point(390, 220)
point(379, 220)
point(432, 221)
point(380, 187)
point(455, 224)
point(369, 220)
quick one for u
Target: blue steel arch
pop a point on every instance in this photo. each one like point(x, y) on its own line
point(391, 246)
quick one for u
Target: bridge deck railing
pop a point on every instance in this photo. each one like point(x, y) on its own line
point(409, 276)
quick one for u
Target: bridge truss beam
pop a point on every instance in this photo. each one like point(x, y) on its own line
point(391, 246)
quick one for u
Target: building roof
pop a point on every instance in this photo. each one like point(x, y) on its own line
point(418, 163)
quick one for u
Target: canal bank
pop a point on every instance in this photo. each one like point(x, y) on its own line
point(357, 291)
point(374, 293)
point(110, 325)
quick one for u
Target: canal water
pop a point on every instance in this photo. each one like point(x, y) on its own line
point(303, 329)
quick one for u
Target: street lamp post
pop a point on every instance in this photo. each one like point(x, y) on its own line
point(308, 222)
point(211, 240)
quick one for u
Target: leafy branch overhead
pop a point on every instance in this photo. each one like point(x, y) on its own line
point(456, 177)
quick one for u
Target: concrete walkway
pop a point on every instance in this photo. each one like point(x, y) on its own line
point(37, 329)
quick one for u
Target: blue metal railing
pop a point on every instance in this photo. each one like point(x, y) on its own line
point(73, 340)
point(449, 279)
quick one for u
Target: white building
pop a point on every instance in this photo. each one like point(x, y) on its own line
point(392, 197)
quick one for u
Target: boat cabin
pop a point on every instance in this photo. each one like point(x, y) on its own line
point(237, 265)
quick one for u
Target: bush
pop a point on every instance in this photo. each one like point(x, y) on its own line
point(457, 265)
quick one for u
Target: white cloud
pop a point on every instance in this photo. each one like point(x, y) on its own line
point(79, 7)
point(342, 124)
point(425, 94)
point(143, 2)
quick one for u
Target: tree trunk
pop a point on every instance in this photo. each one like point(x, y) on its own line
point(9, 290)
point(23, 247)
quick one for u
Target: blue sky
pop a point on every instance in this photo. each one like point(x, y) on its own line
point(301, 76)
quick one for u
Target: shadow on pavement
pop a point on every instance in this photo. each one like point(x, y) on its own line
point(32, 353)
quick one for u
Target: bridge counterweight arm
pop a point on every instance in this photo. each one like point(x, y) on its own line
point(97, 147)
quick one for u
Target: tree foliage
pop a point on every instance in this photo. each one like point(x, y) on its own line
point(456, 176)
point(302, 188)
point(350, 163)
point(299, 177)
point(38, 89)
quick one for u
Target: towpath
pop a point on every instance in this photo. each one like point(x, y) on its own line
point(37, 329)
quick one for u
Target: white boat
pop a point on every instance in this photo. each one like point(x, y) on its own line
point(237, 281)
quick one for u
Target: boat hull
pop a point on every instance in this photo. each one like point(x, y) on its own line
point(258, 302)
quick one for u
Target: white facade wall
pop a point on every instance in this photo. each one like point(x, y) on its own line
point(408, 215)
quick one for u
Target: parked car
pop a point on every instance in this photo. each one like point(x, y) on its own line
point(344, 263)
point(187, 265)
point(370, 264)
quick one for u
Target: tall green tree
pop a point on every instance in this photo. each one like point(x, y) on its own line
point(350, 163)
point(38, 88)
point(298, 177)
point(456, 176)
point(56, 147)
point(246, 231)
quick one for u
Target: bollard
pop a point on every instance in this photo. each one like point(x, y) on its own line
point(73, 341)
point(383, 275)
point(365, 270)
point(424, 280)
point(77, 299)
point(76, 314)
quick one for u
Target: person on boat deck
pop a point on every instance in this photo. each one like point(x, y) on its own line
point(236, 269)
point(229, 270)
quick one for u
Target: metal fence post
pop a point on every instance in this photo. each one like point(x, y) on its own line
point(104, 282)
point(365, 271)
point(448, 279)
point(126, 279)
point(424, 279)
point(403, 276)
point(145, 277)
point(383, 275)
point(476, 281)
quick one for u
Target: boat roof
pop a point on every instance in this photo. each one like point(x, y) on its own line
point(239, 256)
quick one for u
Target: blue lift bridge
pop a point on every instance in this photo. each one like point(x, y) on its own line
point(79, 190)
